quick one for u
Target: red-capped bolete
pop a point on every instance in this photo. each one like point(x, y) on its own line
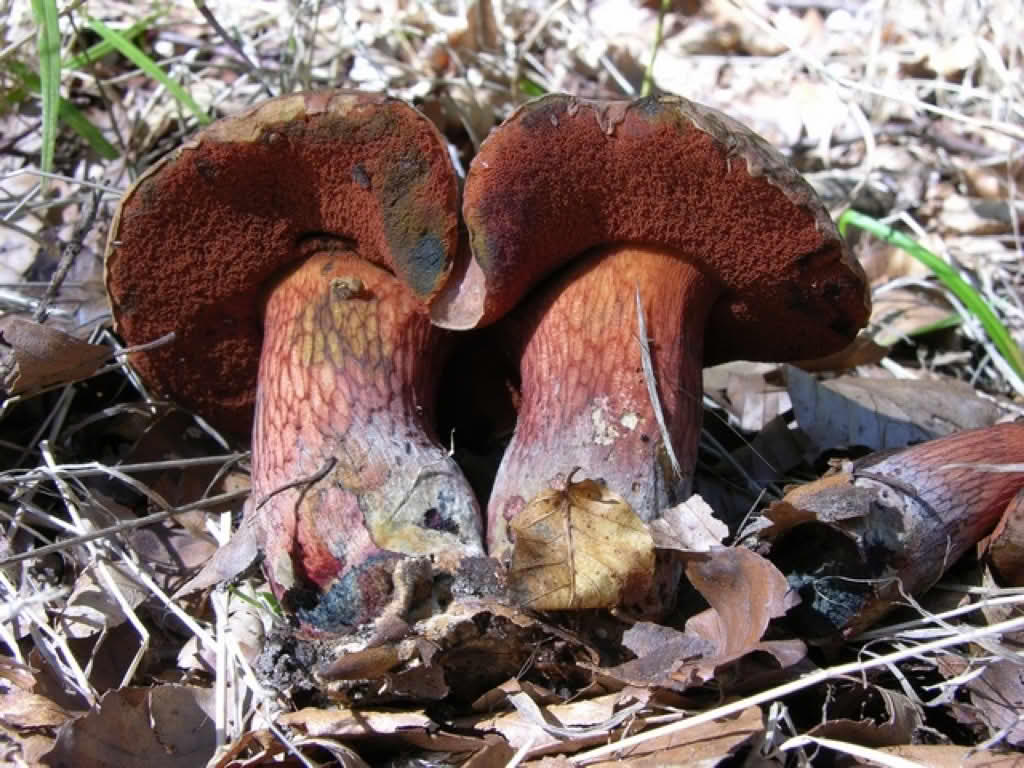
point(294, 251)
point(574, 208)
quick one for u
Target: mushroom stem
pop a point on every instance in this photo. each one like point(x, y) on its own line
point(585, 400)
point(344, 456)
point(892, 523)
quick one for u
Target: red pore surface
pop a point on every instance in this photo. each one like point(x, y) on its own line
point(344, 459)
point(585, 400)
point(201, 236)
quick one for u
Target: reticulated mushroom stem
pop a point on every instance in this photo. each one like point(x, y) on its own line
point(585, 399)
point(348, 372)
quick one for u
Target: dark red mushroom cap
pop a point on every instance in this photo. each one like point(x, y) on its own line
point(562, 176)
point(202, 235)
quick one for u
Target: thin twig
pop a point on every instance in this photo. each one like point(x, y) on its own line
point(127, 525)
point(652, 386)
point(303, 482)
point(68, 256)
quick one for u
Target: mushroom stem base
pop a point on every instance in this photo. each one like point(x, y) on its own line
point(345, 462)
point(585, 396)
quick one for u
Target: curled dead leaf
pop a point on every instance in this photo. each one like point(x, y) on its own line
point(579, 547)
point(34, 356)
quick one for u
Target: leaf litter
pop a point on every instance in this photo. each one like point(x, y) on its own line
point(918, 120)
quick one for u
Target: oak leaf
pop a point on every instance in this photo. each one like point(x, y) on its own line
point(579, 547)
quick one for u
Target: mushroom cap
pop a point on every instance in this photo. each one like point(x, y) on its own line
point(562, 176)
point(201, 237)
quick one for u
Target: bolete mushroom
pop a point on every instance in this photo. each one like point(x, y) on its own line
point(293, 250)
point(730, 251)
point(856, 543)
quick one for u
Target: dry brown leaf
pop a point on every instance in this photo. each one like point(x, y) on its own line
point(34, 357)
point(755, 400)
point(168, 726)
point(902, 312)
point(706, 745)
point(690, 526)
point(949, 756)
point(579, 547)
point(884, 413)
point(22, 747)
point(93, 607)
point(22, 709)
point(661, 651)
point(745, 592)
point(231, 559)
point(863, 350)
point(870, 715)
point(495, 754)
point(999, 694)
point(18, 675)
point(1005, 547)
point(413, 728)
point(550, 729)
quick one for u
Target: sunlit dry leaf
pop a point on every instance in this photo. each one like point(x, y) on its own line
point(870, 715)
point(902, 312)
point(690, 526)
point(35, 356)
point(755, 400)
point(1005, 547)
point(884, 413)
point(950, 59)
point(708, 745)
point(18, 675)
point(949, 756)
point(30, 710)
point(863, 350)
point(92, 605)
point(169, 726)
point(661, 651)
point(497, 697)
point(231, 559)
point(963, 216)
point(999, 694)
point(555, 728)
point(413, 728)
point(745, 591)
point(579, 547)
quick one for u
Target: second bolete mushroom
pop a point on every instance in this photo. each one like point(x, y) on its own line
point(293, 250)
point(574, 208)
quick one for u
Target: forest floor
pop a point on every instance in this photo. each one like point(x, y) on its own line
point(911, 113)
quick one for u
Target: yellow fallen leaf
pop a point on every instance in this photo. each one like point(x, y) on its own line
point(578, 548)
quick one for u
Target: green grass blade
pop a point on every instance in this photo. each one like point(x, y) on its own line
point(960, 288)
point(129, 50)
point(45, 13)
point(67, 112)
point(648, 83)
point(80, 124)
point(102, 48)
point(530, 88)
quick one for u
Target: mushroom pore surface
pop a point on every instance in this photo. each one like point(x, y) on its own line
point(200, 237)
